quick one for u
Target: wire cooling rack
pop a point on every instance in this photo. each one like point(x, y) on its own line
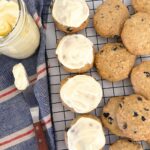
point(62, 116)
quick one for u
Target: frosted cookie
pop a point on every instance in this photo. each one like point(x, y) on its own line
point(114, 62)
point(133, 117)
point(108, 115)
point(70, 16)
point(81, 93)
point(86, 132)
point(136, 34)
point(141, 5)
point(140, 78)
point(123, 144)
point(110, 17)
point(75, 53)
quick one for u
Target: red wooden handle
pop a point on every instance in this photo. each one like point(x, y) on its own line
point(42, 144)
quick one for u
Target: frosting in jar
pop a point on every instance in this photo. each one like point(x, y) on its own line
point(71, 13)
point(75, 51)
point(86, 134)
point(24, 38)
point(82, 93)
point(9, 14)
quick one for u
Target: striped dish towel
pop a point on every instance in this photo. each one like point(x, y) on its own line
point(16, 126)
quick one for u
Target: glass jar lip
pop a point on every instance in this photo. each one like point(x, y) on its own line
point(9, 37)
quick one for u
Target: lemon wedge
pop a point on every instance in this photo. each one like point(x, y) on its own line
point(5, 27)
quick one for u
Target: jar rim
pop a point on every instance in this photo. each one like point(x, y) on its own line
point(9, 37)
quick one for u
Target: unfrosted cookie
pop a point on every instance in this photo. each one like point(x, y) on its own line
point(81, 93)
point(140, 78)
point(133, 117)
point(70, 16)
point(123, 144)
point(136, 34)
point(76, 53)
point(148, 141)
point(114, 62)
point(108, 115)
point(86, 132)
point(141, 5)
point(110, 17)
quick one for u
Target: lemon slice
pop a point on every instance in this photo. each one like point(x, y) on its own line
point(5, 27)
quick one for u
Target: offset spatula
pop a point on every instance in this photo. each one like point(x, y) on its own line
point(34, 109)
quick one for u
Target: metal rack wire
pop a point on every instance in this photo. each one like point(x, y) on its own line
point(62, 116)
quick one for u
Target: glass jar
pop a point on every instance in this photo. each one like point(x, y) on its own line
point(24, 39)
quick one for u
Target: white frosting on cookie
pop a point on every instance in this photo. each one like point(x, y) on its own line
point(82, 93)
point(71, 13)
point(75, 51)
point(86, 134)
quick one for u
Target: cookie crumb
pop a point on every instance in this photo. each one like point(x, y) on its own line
point(69, 29)
point(115, 48)
point(121, 46)
point(147, 74)
point(101, 51)
point(135, 114)
point(143, 118)
point(117, 7)
point(142, 19)
point(120, 105)
point(129, 140)
point(110, 120)
point(125, 126)
point(139, 98)
point(146, 109)
point(135, 132)
point(106, 115)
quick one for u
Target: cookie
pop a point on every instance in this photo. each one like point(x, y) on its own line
point(108, 115)
point(76, 53)
point(133, 117)
point(81, 93)
point(140, 79)
point(114, 62)
point(123, 144)
point(70, 16)
point(110, 17)
point(148, 141)
point(136, 34)
point(85, 132)
point(141, 5)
